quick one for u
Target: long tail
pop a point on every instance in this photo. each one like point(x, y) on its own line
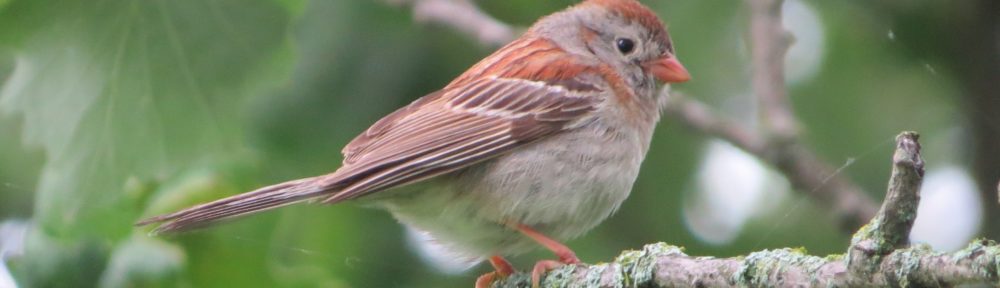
point(266, 198)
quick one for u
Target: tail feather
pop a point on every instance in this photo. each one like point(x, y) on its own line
point(262, 199)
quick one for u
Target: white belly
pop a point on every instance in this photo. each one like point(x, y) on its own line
point(562, 191)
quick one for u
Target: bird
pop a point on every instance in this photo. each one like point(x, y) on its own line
point(535, 144)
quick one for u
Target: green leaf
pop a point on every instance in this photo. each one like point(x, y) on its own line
point(118, 89)
point(120, 95)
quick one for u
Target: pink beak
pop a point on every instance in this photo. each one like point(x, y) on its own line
point(668, 69)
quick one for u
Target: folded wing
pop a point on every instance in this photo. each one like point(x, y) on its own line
point(458, 128)
point(439, 133)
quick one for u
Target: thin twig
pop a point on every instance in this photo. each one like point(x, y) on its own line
point(800, 166)
point(463, 16)
point(770, 42)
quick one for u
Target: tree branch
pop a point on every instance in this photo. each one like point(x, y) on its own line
point(769, 43)
point(780, 145)
point(777, 143)
point(662, 265)
point(890, 230)
point(801, 167)
point(463, 16)
point(878, 255)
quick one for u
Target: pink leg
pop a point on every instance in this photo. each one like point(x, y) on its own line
point(540, 268)
point(565, 255)
point(486, 280)
point(502, 269)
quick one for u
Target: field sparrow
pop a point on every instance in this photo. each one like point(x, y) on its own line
point(537, 143)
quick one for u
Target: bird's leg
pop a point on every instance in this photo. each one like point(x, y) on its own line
point(501, 268)
point(540, 268)
point(566, 256)
point(485, 280)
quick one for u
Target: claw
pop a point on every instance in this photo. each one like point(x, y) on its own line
point(486, 280)
point(502, 269)
point(566, 255)
point(502, 266)
point(540, 268)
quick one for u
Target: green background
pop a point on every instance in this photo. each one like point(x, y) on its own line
point(111, 110)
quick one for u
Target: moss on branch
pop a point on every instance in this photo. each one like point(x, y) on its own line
point(879, 254)
point(663, 265)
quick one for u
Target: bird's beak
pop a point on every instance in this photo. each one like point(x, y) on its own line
point(668, 69)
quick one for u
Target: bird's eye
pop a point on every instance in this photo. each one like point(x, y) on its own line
point(625, 45)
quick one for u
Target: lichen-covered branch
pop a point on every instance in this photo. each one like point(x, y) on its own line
point(878, 256)
point(890, 229)
point(662, 265)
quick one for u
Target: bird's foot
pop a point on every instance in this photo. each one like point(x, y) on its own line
point(485, 280)
point(502, 268)
point(566, 255)
point(545, 266)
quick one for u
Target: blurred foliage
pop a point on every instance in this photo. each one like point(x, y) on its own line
point(112, 110)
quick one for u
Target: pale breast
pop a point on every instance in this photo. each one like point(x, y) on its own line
point(562, 186)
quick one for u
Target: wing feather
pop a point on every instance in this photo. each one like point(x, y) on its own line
point(526, 91)
point(460, 127)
